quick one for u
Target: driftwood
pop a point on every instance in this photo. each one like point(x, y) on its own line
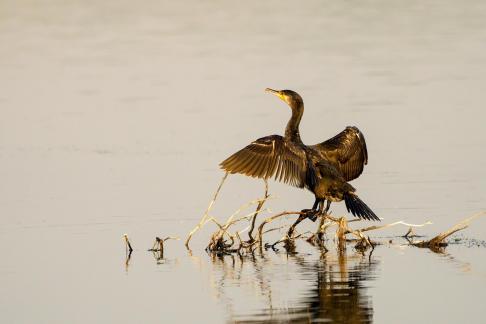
point(226, 241)
point(438, 241)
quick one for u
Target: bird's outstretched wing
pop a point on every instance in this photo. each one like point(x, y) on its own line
point(346, 151)
point(269, 156)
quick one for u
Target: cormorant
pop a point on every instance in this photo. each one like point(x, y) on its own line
point(324, 168)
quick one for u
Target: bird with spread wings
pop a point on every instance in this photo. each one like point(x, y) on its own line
point(325, 168)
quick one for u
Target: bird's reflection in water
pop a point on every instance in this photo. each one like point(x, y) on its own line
point(339, 294)
point(317, 287)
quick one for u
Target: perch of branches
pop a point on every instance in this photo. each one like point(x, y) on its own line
point(222, 240)
point(226, 240)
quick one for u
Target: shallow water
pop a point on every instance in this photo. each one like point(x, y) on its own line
point(114, 117)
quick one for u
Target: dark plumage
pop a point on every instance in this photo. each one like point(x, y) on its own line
point(324, 168)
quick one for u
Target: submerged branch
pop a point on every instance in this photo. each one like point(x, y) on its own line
point(438, 240)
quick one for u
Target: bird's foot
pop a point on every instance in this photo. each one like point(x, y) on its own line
point(311, 214)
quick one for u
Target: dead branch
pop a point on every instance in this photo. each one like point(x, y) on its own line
point(223, 241)
point(438, 240)
point(270, 219)
point(260, 205)
point(206, 213)
point(158, 245)
point(128, 246)
point(375, 227)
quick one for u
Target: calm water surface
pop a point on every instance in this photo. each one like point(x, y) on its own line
point(114, 116)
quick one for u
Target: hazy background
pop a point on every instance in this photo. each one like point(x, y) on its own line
point(114, 116)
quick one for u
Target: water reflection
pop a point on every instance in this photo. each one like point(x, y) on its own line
point(332, 286)
point(128, 256)
point(340, 290)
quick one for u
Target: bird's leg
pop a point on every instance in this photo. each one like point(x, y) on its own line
point(314, 212)
point(314, 207)
point(300, 219)
point(308, 213)
point(322, 212)
point(327, 207)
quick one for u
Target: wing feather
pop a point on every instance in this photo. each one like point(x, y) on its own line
point(271, 156)
point(346, 151)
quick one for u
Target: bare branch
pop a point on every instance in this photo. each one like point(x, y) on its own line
point(270, 219)
point(375, 227)
point(260, 205)
point(438, 240)
point(203, 219)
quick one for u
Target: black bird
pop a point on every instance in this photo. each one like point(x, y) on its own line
point(324, 168)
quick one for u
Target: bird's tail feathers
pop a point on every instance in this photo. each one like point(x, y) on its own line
point(358, 208)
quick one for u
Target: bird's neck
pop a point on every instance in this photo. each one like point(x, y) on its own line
point(292, 129)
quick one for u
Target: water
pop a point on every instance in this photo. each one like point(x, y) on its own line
point(115, 115)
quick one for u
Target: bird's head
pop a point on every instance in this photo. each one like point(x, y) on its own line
point(292, 98)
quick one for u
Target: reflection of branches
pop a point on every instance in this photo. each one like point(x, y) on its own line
point(128, 251)
point(336, 281)
point(465, 266)
point(127, 260)
point(339, 296)
point(337, 292)
point(234, 271)
point(128, 246)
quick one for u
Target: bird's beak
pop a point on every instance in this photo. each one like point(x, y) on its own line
point(275, 92)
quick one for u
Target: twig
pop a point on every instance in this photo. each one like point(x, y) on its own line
point(158, 245)
point(270, 219)
point(273, 229)
point(231, 221)
point(203, 219)
point(375, 227)
point(127, 243)
point(410, 233)
point(260, 205)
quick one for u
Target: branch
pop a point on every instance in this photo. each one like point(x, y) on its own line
point(270, 219)
point(375, 227)
point(439, 239)
point(260, 205)
point(203, 219)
